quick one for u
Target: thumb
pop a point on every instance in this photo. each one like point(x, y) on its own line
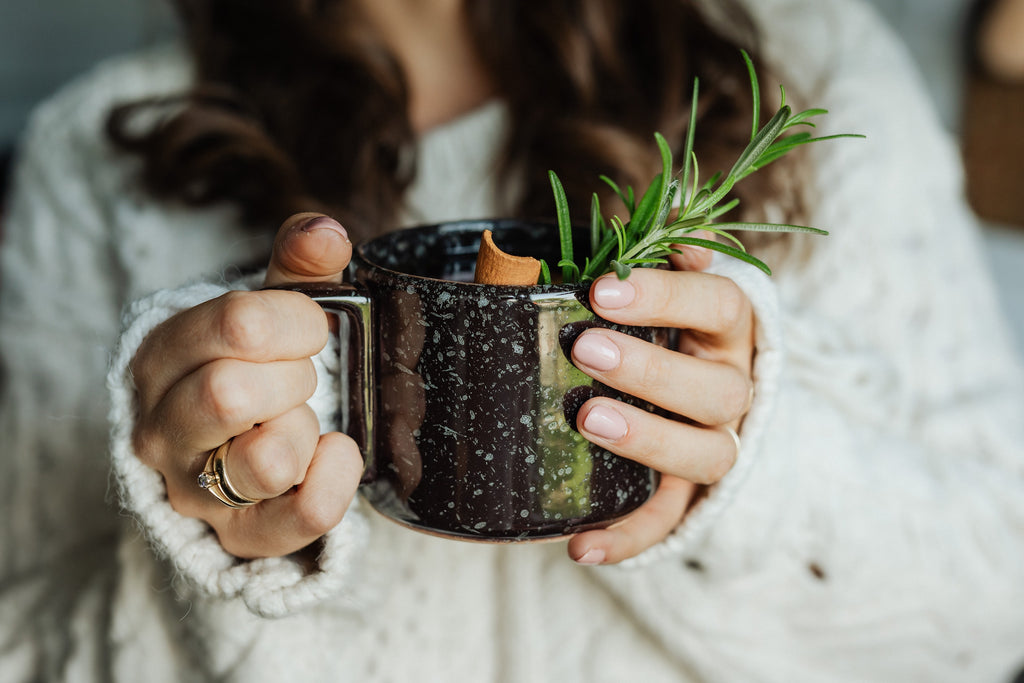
point(692, 257)
point(309, 247)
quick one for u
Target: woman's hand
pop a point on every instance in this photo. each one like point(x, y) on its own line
point(707, 381)
point(239, 367)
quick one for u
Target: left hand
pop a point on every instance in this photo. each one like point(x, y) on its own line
point(708, 380)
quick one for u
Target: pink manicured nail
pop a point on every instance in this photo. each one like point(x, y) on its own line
point(324, 223)
point(606, 423)
point(611, 292)
point(592, 557)
point(596, 351)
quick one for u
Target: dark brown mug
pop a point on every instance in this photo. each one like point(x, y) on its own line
point(462, 396)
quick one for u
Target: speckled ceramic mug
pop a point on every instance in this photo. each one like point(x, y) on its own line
point(462, 396)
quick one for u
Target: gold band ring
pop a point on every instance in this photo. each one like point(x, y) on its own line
point(214, 478)
point(735, 439)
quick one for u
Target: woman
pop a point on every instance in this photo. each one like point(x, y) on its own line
point(868, 528)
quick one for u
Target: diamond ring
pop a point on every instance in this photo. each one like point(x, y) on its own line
point(214, 479)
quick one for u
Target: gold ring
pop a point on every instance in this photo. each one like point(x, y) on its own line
point(214, 478)
point(735, 439)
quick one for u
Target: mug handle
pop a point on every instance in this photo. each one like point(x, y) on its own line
point(354, 303)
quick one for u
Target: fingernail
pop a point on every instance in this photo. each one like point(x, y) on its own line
point(605, 422)
point(596, 351)
point(611, 292)
point(323, 223)
point(592, 557)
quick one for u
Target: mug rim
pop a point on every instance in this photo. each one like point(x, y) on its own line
point(466, 226)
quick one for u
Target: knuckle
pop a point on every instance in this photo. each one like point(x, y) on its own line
point(717, 468)
point(272, 473)
point(185, 501)
point(224, 393)
point(141, 369)
point(735, 396)
point(246, 323)
point(652, 369)
point(147, 442)
point(720, 464)
point(731, 305)
point(309, 378)
point(235, 544)
point(318, 513)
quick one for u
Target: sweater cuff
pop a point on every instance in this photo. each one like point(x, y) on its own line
point(768, 361)
point(269, 587)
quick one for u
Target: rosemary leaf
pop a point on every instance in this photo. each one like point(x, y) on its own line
point(618, 191)
point(655, 227)
point(564, 225)
point(770, 227)
point(689, 158)
point(762, 141)
point(726, 249)
point(545, 273)
point(621, 269)
point(597, 226)
point(755, 93)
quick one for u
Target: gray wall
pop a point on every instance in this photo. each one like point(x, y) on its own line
point(44, 43)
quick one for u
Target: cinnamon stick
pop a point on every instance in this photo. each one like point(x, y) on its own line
point(495, 267)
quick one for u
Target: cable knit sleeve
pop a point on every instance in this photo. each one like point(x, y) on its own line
point(80, 239)
point(270, 587)
point(892, 319)
point(885, 506)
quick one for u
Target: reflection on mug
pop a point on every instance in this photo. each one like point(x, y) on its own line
point(402, 395)
point(464, 396)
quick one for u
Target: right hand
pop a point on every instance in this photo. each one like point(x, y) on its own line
point(240, 367)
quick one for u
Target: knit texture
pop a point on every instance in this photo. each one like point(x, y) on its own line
point(870, 531)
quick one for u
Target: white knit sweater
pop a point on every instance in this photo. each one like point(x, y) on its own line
point(872, 530)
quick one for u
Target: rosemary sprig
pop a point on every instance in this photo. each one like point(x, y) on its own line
point(676, 205)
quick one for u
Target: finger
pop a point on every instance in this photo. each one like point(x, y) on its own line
point(225, 398)
point(699, 454)
point(690, 256)
point(248, 326)
point(648, 526)
point(707, 391)
point(309, 247)
point(273, 456)
point(708, 304)
point(263, 463)
point(285, 524)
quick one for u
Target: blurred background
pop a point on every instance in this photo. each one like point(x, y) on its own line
point(44, 43)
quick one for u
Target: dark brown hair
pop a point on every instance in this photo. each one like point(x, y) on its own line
point(296, 106)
